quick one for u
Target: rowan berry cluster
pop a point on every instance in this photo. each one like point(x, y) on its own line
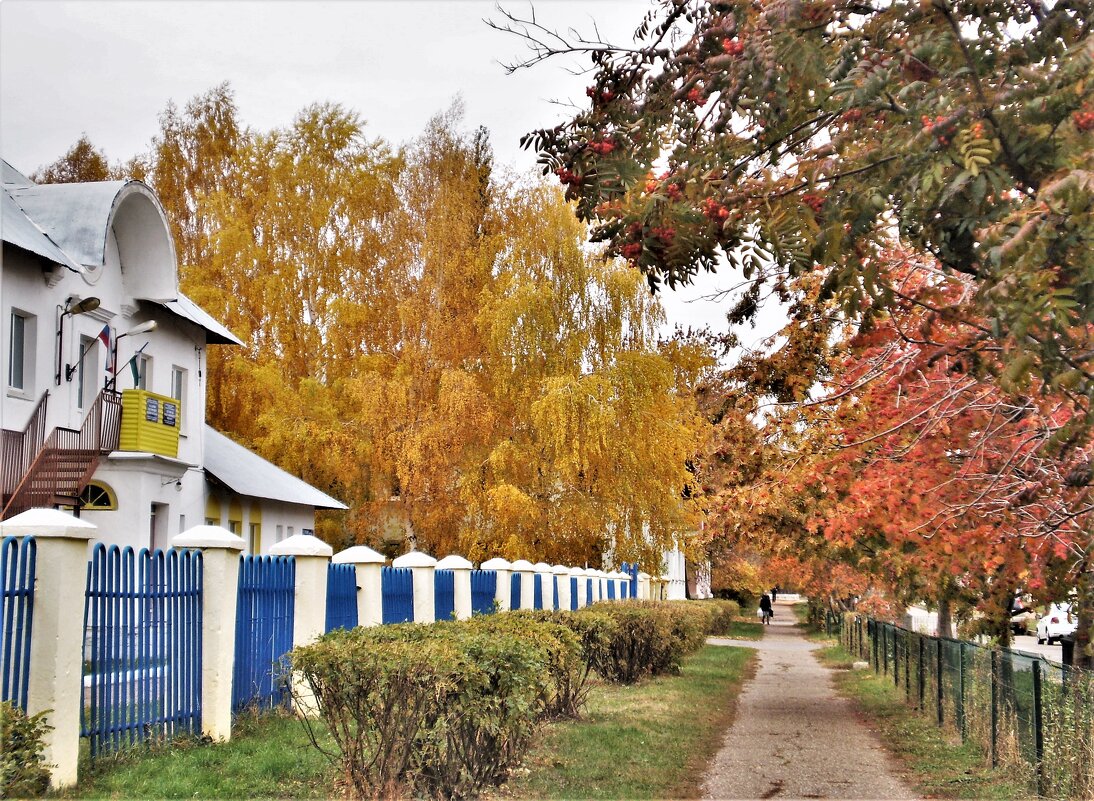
point(1084, 120)
point(602, 147)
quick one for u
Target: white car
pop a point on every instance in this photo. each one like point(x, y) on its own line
point(1057, 622)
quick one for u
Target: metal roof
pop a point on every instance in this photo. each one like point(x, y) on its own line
point(76, 216)
point(247, 473)
point(188, 310)
point(18, 229)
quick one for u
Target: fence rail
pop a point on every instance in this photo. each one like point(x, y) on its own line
point(483, 591)
point(264, 626)
point(341, 597)
point(142, 646)
point(1024, 711)
point(18, 566)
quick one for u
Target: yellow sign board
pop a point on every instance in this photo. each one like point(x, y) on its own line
point(150, 422)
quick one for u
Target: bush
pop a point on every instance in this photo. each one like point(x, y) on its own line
point(23, 771)
point(722, 616)
point(439, 711)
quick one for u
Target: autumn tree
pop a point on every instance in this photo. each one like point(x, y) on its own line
point(83, 162)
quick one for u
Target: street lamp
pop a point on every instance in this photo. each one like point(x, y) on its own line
point(143, 328)
point(70, 310)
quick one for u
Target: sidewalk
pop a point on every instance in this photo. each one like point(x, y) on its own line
point(793, 736)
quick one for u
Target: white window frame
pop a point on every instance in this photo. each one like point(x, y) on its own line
point(177, 391)
point(26, 342)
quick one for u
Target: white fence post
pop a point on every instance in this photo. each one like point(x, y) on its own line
point(461, 583)
point(527, 598)
point(582, 586)
point(312, 557)
point(368, 565)
point(643, 585)
point(55, 680)
point(421, 569)
point(546, 579)
point(594, 593)
point(220, 551)
point(502, 569)
point(562, 580)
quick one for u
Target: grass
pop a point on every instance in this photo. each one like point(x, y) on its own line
point(650, 740)
point(940, 765)
point(269, 756)
point(744, 630)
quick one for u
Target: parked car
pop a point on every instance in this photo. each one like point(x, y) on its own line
point(1057, 622)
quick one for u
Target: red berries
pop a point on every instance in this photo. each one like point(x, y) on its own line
point(631, 250)
point(1084, 120)
point(566, 177)
point(942, 133)
point(732, 47)
point(602, 147)
point(714, 210)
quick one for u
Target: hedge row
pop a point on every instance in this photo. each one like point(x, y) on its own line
point(446, 710)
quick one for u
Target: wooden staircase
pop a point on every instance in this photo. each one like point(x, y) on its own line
point(65, 462)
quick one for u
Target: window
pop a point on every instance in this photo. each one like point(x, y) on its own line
point(178, 390)
point(143, 377)
point(254, 544)
point(233, 526)
point(20, 351)
point(98, 497)
point(280, 533)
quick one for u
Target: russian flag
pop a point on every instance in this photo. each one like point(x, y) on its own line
point(104, 335)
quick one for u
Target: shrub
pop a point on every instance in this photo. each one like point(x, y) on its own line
point(722, 615)
point(630, 640)
point(23, 770)
point(440, 711)
point(567, 670)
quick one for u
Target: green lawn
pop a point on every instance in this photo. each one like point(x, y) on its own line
point(651, 740)
point(941, 766)
point(269, 757)
point(744, 630)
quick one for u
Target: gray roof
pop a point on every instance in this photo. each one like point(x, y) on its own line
point(247, 473)
point(76, 216)
point(188, 310)
point(19, 229)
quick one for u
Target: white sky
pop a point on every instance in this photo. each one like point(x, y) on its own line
point(108, 68)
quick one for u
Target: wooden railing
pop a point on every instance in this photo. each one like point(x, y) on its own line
point(19, 448)
point(67, 460)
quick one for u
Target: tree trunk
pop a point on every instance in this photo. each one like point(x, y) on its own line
point(1084, 632)
point(945, 614)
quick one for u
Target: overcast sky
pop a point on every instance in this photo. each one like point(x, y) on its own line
point(109, 68)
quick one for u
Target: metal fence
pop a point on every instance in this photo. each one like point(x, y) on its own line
point(142, 646)
point(573, 593)
point(483, 591)
point(264, 625)
point(341, 597)
point(514, 591)
point(1024, 711)
point(611, 589)
point(397, 586)
point(537, 591)
point(18, 564)
point(444, 594)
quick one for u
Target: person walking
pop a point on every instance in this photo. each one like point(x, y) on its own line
point(765, 608)
point(775, 593)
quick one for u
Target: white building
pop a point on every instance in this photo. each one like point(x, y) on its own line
point(104, 377)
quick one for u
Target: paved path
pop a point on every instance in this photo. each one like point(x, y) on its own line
point(793, 736)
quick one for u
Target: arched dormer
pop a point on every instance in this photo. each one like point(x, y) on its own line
point(80, 217)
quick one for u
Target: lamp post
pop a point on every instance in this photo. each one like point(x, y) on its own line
point(143, 328)
point(70, 309)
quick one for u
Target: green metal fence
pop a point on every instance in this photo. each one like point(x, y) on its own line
point(1025, 712)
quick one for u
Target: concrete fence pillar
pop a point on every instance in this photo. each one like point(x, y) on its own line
point(312, 556)
point(502, 571)
point(56, 662)
point(643, 585)
point(421, 568)
point(547, 580)
point(461, 583)
point(582, 586)
point(220, 551)
point(562, 580)
point(368, 566)
point(527, 584)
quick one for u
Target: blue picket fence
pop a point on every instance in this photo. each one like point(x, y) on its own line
point(444, 594)
point(341, 597)
point(631, 585)
point(397, 585)
point(264, 624)
point(589, 591)
point(18, 565)
point(554, 592)
point(611, 589)
point(484, 587)
point(537, 591)
point(573, 592)
point(142, 646)
point(514, 591)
